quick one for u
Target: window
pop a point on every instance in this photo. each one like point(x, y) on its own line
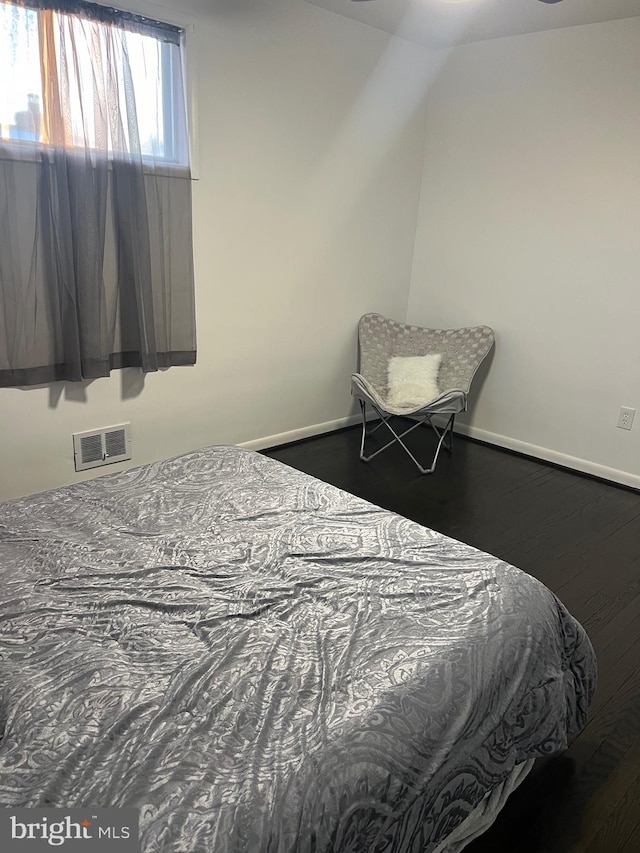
point(96, 260)
point(71, 52)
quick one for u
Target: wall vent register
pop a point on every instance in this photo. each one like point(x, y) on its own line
point(101, 446)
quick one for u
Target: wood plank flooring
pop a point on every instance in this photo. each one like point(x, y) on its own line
point(581, 537)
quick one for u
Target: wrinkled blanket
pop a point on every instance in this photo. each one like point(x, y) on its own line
point(263, 663)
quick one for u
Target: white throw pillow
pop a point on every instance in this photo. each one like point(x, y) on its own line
point(413, 380)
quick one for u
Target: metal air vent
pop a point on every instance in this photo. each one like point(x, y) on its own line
point(101, 446)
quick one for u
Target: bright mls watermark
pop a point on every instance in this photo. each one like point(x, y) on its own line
point(73, 830)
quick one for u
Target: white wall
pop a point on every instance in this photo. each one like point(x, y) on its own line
point(311, 142)
point(530, 223)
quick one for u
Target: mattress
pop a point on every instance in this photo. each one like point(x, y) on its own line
point(260, 662)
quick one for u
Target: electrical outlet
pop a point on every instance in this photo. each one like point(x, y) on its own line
point(625, 418)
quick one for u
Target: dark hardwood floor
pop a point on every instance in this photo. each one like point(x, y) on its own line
point(581, 537)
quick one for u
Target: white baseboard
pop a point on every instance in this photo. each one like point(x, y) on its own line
point(298, 434)
point(624, 478)
point(574, 462)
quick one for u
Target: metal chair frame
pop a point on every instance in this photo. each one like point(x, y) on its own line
point(445, 435)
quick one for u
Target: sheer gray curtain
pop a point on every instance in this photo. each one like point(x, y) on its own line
point(96, 261)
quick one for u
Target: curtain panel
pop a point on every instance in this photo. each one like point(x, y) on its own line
point(96, 259)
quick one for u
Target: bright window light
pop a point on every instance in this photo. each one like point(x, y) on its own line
point(153, 62)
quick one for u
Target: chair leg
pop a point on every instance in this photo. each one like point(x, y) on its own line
point(363, 409)
point(447, 430)
point(397, 437)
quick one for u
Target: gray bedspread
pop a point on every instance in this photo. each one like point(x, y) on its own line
point(263, 663)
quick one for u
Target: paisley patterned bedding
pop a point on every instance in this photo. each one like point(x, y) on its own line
point(263, 663)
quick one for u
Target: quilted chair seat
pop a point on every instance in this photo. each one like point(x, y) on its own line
point(380, 339)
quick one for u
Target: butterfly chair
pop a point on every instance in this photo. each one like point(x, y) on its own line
point(415, 373)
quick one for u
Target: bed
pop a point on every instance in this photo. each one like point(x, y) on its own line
point(262, 663)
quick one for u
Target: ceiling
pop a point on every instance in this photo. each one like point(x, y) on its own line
point(441, 23)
